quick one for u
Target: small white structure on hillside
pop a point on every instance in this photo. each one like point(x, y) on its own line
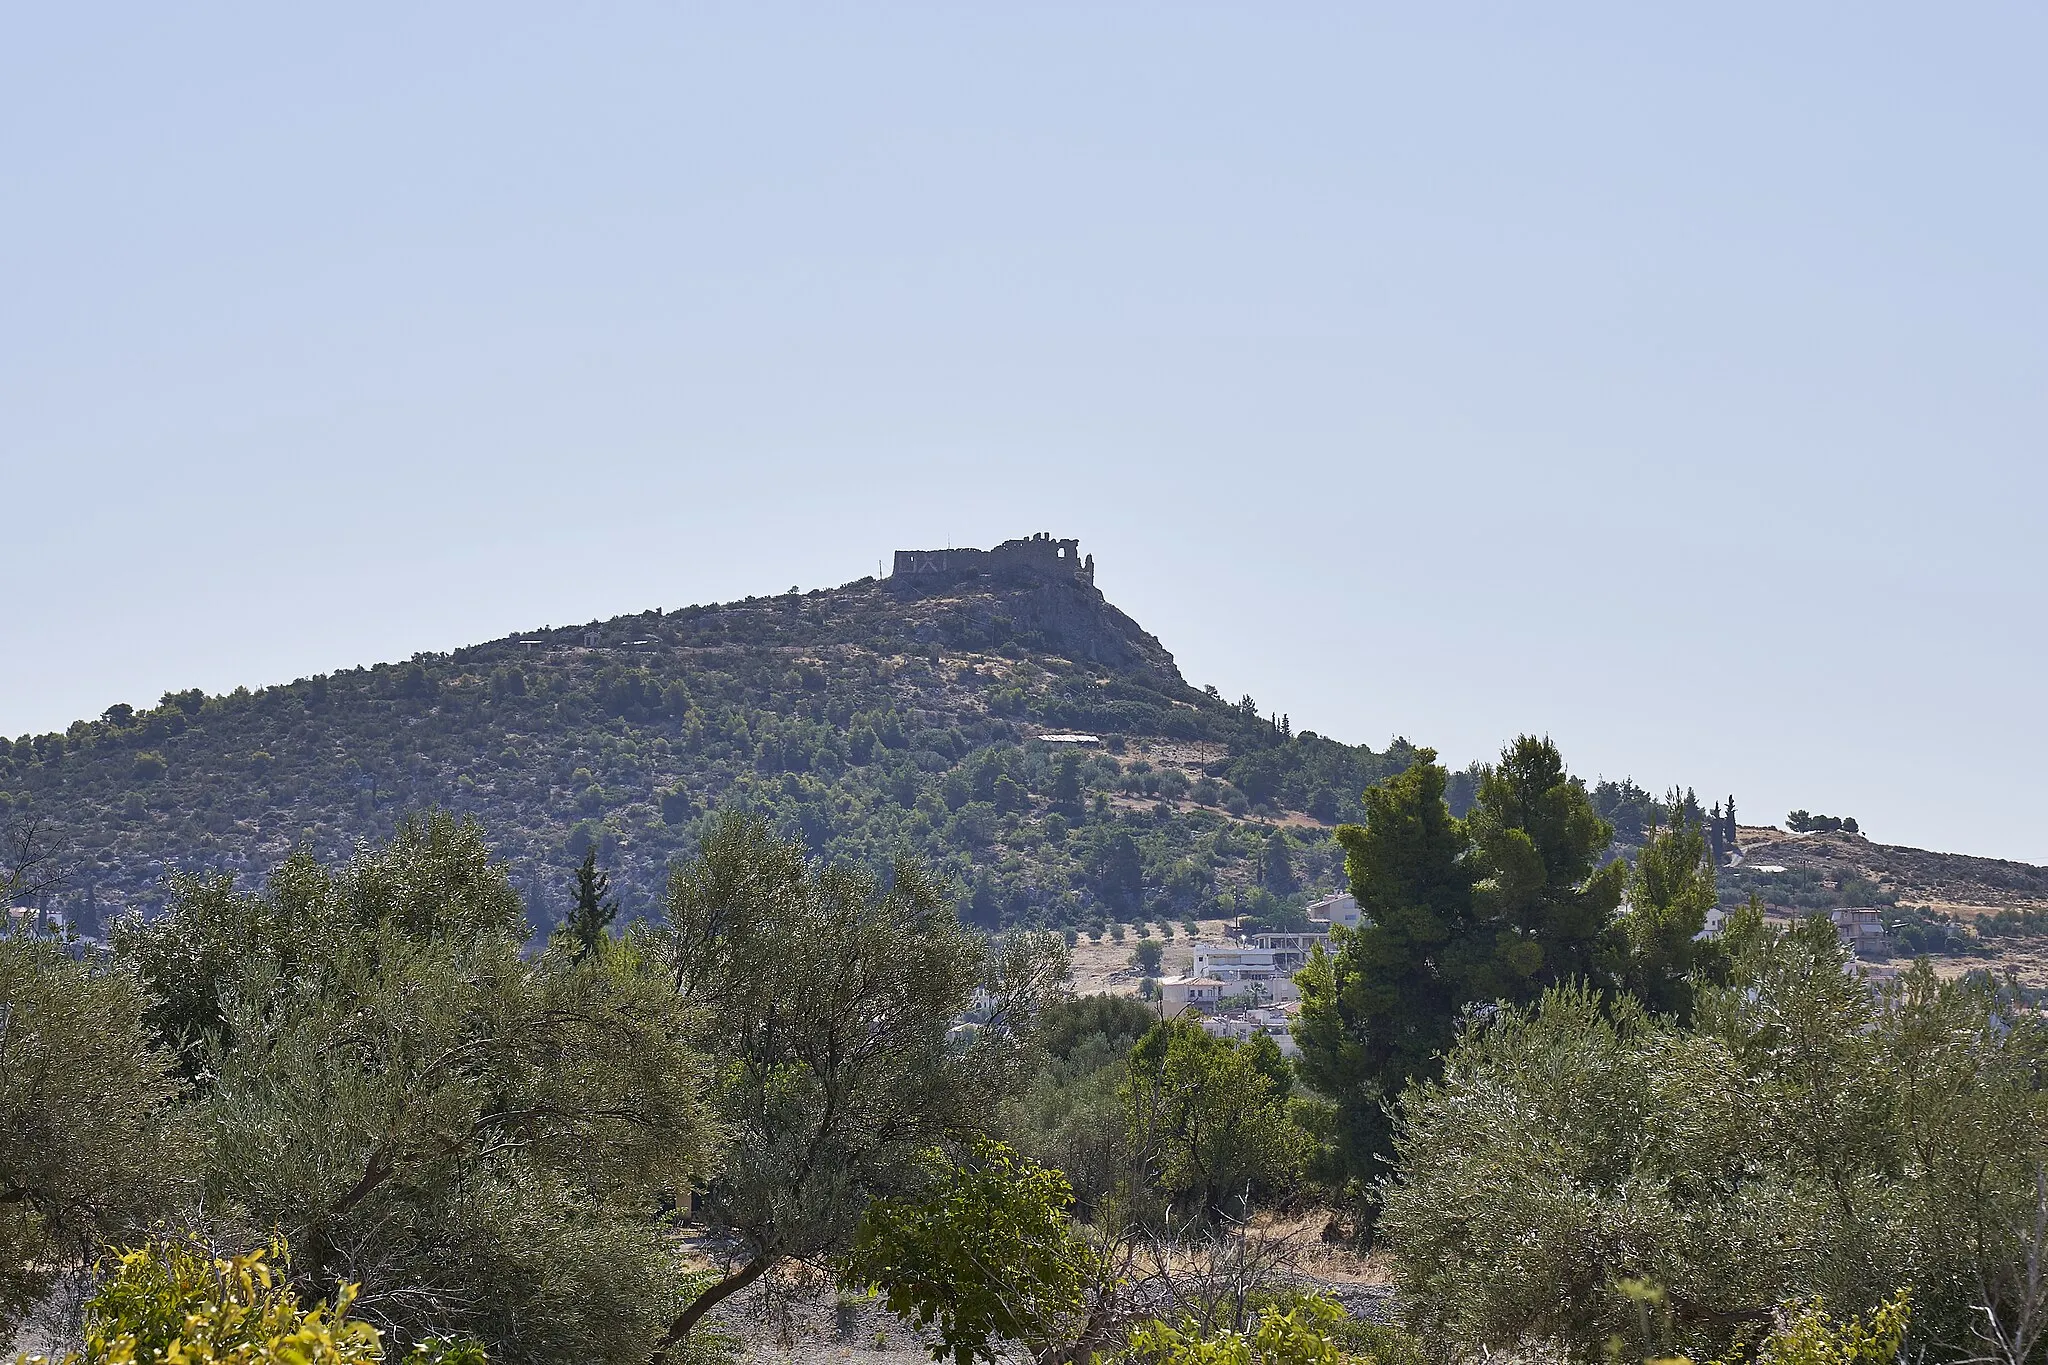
point(1274, 1021)
point(1179, 994)
point(1247, 970)
point(1340, 910)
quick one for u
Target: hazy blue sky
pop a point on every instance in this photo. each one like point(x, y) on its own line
point(1671, 380)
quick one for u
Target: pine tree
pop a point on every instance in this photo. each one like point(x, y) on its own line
point(595, 909)
point(1728, 819)
point(1497, 906)
point(1276, 868)
point(1066, 786)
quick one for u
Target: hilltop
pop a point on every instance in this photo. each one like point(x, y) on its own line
point(902, 714)
point(886, 715)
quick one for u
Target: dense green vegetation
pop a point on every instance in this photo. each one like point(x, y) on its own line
point(479, 1147)
point(768, 957)
point(863, 721)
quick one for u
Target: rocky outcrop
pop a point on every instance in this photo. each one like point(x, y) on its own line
point(1039, 604)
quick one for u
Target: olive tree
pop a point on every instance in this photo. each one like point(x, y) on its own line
point(480, 1139)
point(89, 1148)
point(824, 996)
point(1804, 1137)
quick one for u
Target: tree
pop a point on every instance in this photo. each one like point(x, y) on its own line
point(89, 1153)
point(1119, 870)
point(1670, 891)
point(1458, 914)
point(1066, 786)
point(824, 998)
point(478, 1139)
point(1276, 866)
point(1208, 1119)
point(985, 1251)
point(1809, 1138)
point(1379, 1009)
point(589, 919)
point(1147, 955)
point(1069, 1113)
point(1545, 900)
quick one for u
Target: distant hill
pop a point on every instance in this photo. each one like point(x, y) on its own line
point(878, 717)
point(905, 714)
point(1966, 912)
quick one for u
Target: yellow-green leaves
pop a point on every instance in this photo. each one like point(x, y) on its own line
point(167, 1304)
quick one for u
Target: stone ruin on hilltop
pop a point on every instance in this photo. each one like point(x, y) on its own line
point(1033, 557)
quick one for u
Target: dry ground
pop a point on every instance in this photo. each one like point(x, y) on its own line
point(1103, 967)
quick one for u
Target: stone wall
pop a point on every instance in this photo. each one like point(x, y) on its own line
point(1038, 556)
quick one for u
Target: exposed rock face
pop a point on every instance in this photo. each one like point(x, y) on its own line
point(1037, 592)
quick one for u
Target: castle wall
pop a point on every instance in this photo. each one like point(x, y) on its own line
point(1036, 556)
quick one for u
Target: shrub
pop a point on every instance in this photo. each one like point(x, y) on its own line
point(170, 1302)
point(1310, 1332)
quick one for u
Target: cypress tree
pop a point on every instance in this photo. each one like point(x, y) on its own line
point(595, 909)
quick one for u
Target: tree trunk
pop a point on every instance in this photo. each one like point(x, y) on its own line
point(704, 1302)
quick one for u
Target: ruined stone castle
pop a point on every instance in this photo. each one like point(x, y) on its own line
point(1038, 556)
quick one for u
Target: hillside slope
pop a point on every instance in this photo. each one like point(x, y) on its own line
point(881, 716)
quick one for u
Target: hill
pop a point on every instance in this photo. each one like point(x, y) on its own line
point(885, 715)
point(888, 715)
point(1967, 912)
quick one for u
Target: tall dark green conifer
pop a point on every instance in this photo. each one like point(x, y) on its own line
point(1457, 914)
point(1378, 1011)
point(1066, 785)
point(590, 919)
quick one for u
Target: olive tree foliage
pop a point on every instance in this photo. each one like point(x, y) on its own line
point(1069, 1111)
point(90, 1151)
point(477, 1138)
point(824, 996)
point(1804, 1138)
point(435, 881)
point(1210, 1129)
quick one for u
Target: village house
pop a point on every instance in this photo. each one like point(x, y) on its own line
point(1291, 951)
point(1273, 1021)
point(1339, 910)
point(1246, 969)
point(1180, 994)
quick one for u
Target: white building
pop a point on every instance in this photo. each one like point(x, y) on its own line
point(1179, 994)
point(1340, 910)
point(1274, 1021)
point(1247, 970)
point(1291, 951)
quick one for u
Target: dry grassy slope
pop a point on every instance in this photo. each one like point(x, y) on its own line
point(1954, 883)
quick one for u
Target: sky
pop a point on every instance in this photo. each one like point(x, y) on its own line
point(1670, 380)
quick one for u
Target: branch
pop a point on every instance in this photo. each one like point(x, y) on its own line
point(706, 1301)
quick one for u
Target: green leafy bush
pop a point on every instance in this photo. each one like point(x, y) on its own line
point(1310, 1331)
point(166, 1302)
point(987, 1251)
